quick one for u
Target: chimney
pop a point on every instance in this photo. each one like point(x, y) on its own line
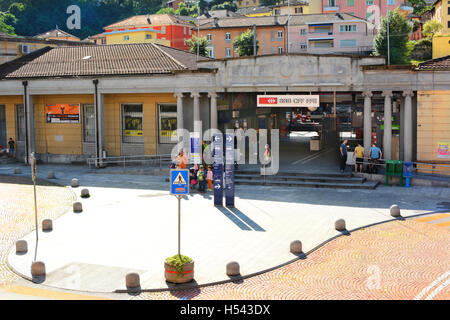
point(216, 22)
point(148, 19)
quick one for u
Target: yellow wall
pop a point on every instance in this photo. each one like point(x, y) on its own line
point(113, 124)
point(315, 6)
point(46, 132)
point(12, 47)
point(247, 3)
point(433, 125)
point(441, 46)
point(10, 109)
point(135, 37)
point(441, 15)
point(264, 14)
point(284, 10)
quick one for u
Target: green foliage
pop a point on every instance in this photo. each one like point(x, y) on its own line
point(269, 2)
point(178, 262)
point(243, 44)
point(431, 27)
point(7, 21)
point(399, 30)
point(202, 42)
point(228, 5)
point(420, 6)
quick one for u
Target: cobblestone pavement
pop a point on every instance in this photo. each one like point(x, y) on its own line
point(17, 215)
point(395, 260)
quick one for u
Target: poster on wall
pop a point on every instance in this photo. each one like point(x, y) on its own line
point(443, 149)
point(133, 126)
point(62, 113)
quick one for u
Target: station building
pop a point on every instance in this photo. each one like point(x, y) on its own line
point(69, 104)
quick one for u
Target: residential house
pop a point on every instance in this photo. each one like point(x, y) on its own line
point(290, 7)
point(220, 33)
point(441, 42)
point(330, 33)
point(255, 11)
point(247, 3)
point(165, 29)
point(57, 34)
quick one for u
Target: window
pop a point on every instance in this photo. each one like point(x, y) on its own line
point(369, 2)
point(126, 38)
point(163, 29)
point(210, 52)
point(184, 30)
point(227, 36)
point(20, 122)
point(369, 16)
point(299, 10)
point(209, 37)
point(280, 34)
point(448, 24)
point(280, 50)
point(331, 3)
point(132, 131)
point(88, 123)
point(148, 36)
point(277, 12)
point(350, 3)
point(391, 2)
point(303, 32)
point(167, 123)
point(347, 28)
point(303, 46)
point(348, 43)
point(227, 52)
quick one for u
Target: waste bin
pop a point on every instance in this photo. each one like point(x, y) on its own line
point(407, 172)
point(394, 168)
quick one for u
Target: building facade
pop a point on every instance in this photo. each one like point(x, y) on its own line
point(247, 3)
point(162, 29)
point(441, 42)
point(57, 34)
point(291, 7)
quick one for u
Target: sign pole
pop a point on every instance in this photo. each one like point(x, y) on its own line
point(33, 175)
point(179, 226)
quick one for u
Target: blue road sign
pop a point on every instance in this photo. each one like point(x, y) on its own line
point(217, 169)
point(229, 169)
point(179, 181)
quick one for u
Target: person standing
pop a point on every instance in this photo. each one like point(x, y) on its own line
point(209, 178)
point(343, 155)
point(12, 147)
point(201, 179)
point(359, 154)
point(375, 155)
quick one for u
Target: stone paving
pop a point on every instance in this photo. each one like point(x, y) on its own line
point(395, 260)
point(414, 200)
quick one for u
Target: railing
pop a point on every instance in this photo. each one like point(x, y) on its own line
point(417, 166)
point(146, 160)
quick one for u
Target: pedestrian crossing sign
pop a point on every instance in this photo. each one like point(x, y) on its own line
point(179, 181)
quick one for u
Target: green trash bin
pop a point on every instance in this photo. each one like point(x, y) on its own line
point(394, 168)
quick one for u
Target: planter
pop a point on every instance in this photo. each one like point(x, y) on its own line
point(172, 275)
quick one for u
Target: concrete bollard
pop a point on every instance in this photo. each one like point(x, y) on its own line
point(233, 269)
point(77, 207)
point(51, 175)
point(21, 246)
point(85, 193)
point(74, 183)
point(17, 171)
point(132, 281)
point(395, 211)
point(37, 269)
point(339, 225)
point(296, 247)
point(47, 225)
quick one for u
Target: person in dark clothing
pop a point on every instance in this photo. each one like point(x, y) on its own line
point(12, 147)
point(343, 155)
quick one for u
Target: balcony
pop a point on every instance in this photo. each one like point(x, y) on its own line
point(331, 9)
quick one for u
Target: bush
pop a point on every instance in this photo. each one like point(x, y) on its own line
point(178, 261)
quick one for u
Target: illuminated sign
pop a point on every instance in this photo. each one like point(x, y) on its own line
point(298, 101)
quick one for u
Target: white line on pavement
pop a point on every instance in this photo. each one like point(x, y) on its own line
point(430, 286)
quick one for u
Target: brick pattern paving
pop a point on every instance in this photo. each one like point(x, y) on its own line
point(17, 213)
point(395, 260)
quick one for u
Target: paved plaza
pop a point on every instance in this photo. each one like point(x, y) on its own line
point(129, 224)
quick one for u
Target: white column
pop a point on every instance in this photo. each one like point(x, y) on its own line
point(367, 121)
point(196, 97)
point(101, 124)
point(213, 96)
point(180, 123)
point(408, 126)
point(29, 113)
point(387, 135)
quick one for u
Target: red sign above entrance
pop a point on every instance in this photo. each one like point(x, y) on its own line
point(298, 101)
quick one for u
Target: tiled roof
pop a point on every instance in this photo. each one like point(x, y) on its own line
point(438, 64)
point(155, 19)
point(297, 19)
point(12, 66)
point(81, 61)
point(55, 33)
point(292, 3)
point(254, 10)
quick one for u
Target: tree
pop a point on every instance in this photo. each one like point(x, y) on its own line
point(431, 27)
point(244, 44)
point(419, 6)
point(269, 2)
point(227, 5)
point(202, 44)
point(399, 30)
point(7, 21)
point(166, 10)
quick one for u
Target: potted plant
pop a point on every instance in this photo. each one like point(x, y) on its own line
point(179, 269)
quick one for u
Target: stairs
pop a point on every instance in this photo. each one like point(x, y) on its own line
point(308, 180)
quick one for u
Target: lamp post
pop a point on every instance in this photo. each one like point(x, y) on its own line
point(388, 44)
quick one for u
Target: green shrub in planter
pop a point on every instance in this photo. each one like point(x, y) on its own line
point(179, 269)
